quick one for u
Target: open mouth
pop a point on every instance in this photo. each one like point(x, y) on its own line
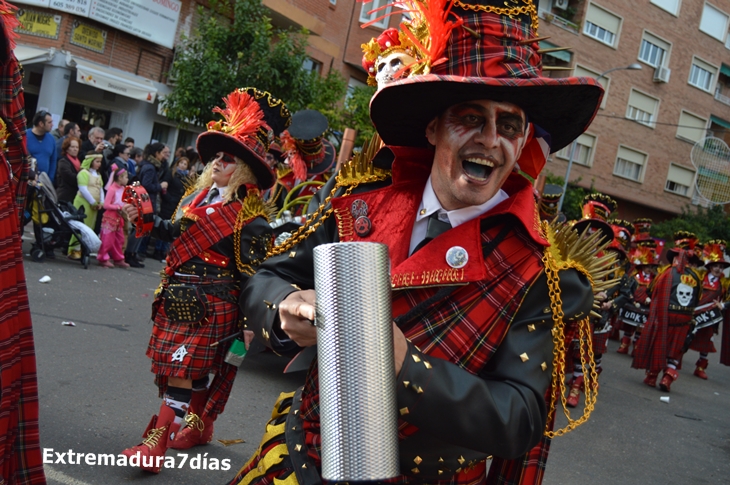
point(478, 169)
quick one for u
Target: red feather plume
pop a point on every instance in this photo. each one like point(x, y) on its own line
point(294, 158)
point(10, 22)
point(242, 115)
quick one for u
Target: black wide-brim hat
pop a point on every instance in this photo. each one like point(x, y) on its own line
point(212, 142)
point(491, 57)
point(691, 256)
point(308, 128)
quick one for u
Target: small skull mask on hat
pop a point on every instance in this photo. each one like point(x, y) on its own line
point(388, 66)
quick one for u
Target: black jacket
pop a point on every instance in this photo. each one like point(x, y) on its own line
point(175, 190)
point(66, 184)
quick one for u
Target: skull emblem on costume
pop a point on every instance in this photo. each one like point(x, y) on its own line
point(684, 294)
point(388, 66)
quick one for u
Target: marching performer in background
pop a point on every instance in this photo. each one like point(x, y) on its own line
point(634, 314)
point(472, 266)
point(219, 233)
point(714, 294)
point(674, 295)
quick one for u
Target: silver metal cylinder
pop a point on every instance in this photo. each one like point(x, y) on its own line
point(357, 395)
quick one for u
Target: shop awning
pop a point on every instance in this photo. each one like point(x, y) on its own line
point(114, 80)
point(720, 121)
point(31, 55)
point(725, 69)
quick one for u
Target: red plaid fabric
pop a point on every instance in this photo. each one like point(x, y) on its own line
point(200, 360)
point(600, 342)
point(664, 333)
point(203, 234)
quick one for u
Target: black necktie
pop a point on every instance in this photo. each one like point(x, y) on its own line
point(435, 228)
point(212, 194)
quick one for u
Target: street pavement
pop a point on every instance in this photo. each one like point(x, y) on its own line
point(97, 396)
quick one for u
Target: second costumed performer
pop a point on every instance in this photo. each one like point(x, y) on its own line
point(219, 233)
point(472, 265)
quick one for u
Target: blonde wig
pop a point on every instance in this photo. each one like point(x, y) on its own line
point(241, 176)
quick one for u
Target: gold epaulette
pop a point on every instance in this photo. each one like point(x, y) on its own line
point(359, 170)
point(662, 269)
point(253, 206)
point(282, 171)
point(569, 249)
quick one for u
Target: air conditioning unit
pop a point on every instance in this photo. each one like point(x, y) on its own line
point(561, 4)
point(661, 74)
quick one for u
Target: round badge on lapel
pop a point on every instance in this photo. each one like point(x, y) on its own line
point(457, 257)
point(359, 208)
point(363, 226)
point(209, 210)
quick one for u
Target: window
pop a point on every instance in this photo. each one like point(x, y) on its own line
point(311, 65)
point(714, 22)
point(366, 17)
point(353, 84)
point(629, 164)
point(679, 180)
point(601, 24)
point(691, 128)
point(583, 150)
point(702, 75)
point(671, 6)
point(653, 50)
point(604, 81)
point(642, 108)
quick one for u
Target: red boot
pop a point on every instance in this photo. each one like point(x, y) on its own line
point(575, 389)
point(700, 370)
point(650, 379)
point(624, 347)
point(197, 431)
point(155, 443)
point(670, 375)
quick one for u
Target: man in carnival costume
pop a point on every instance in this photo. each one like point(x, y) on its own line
point(473, 111)
point(219, 232)
point(645, 260)
point(710, 311)
point(674, 296)
point(20, 452)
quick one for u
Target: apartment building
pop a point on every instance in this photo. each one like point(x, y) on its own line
point(638, 148)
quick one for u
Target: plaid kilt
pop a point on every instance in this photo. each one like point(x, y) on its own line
point(600, 342)
point(702, 341)
point(660, 341)
point(168, 336)
point(20, 453)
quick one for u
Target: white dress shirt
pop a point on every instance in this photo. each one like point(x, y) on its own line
point(430, 204)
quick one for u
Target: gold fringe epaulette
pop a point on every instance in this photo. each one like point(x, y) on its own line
point(569, 249)
point(282, 171)
point(359, 170)
point(253, 206)
point(662, 269)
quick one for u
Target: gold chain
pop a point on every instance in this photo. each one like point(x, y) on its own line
point(585, 348)
point(528, 9)
point(310, 225)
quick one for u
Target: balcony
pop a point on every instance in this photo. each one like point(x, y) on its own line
point(565, 24)
point(722, 98)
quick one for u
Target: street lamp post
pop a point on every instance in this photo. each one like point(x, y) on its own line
point(573, 146)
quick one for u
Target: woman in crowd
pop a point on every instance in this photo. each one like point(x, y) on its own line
point(112, 223)
point(90, 196)
point(68, 168)
point(178, 181)
point(118, 159)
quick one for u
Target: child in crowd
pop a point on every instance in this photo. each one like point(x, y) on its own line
point(90, 196)
point(112, 223)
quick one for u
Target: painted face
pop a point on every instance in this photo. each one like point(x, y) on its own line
point(223, 168)
point(715, 270)
point(477, 145)
point(270, 159)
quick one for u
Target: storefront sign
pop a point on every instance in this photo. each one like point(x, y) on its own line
point(35, 3)
point(88, 37)
point(39, 23)
point(115, 81)
point(153, 20)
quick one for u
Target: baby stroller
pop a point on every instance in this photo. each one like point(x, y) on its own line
point(54, 223)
